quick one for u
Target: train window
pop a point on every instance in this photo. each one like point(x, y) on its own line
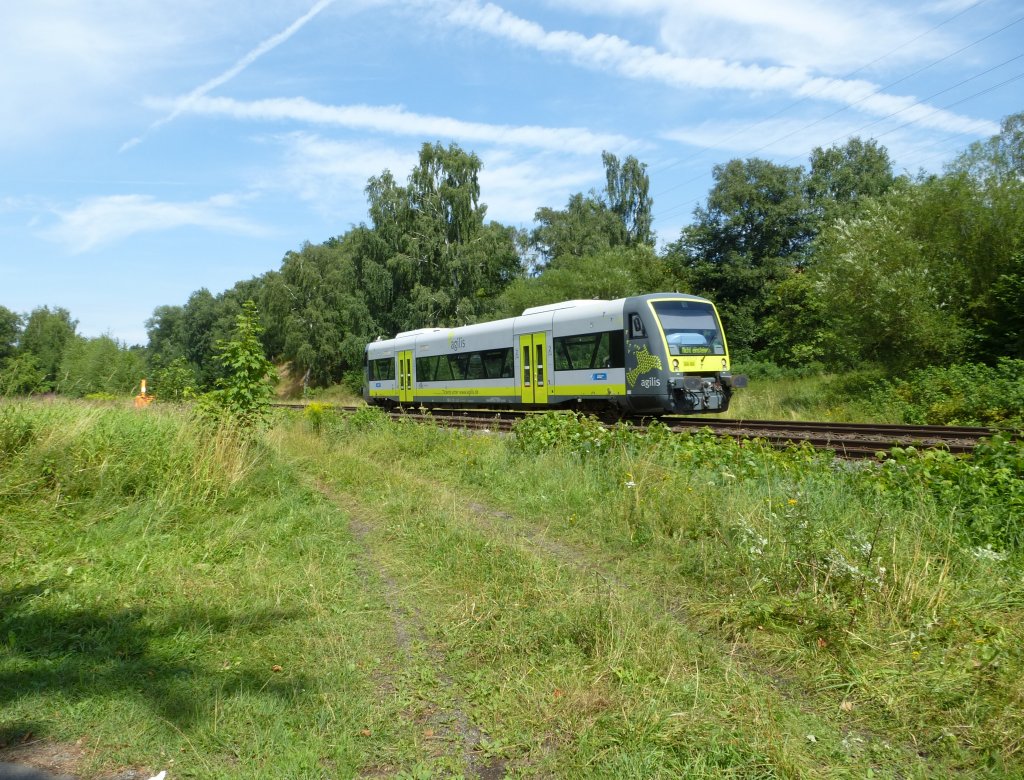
point(691, 328)
point(590, 351)
point(475, 367)
point(426, 368)
point(380, 370)
point(636, 327)
point(497, 363)
point(459, 366)
point(487, 364)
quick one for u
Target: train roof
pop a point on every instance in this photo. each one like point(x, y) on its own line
point(597, 302)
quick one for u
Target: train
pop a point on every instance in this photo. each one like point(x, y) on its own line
point(644, 355)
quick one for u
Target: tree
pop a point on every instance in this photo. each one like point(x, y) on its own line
point(243, 392)
point(998, 160)
point(175, 381)
point(586, 226)
point(21, 375)
point(589, 224)
point(890, 300)
point(45, 336)
point(612, 273)
point(166, 335)
point(752, 233)
point(99, 365)
point(316, 300)
point(10, 329)
point(627, 193)
point(842, 177)
point(426, 234)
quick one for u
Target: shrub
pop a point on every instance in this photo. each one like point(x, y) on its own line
point(969, 394)
point(243, 395)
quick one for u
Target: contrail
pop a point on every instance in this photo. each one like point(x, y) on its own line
point(270, 43)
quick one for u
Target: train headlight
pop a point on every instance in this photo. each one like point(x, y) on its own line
point(723, 364)
point(675, 365)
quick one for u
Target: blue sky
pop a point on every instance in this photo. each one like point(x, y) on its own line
point(152, 147)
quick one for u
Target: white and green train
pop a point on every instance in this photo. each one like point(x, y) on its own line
point(663, 353)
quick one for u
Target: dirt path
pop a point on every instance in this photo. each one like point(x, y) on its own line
point(446, 723)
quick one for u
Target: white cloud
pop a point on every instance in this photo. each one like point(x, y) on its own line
point(103, 220)
point(250, 57)
point(610, 53)
point(769, 138)
point(790, 140)
point(814, 34)
point(67, 64)
point(514, 188)
point(395, 120)
point(331, 175)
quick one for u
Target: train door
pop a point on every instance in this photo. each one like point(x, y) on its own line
point(405, 377)
point(533, 373)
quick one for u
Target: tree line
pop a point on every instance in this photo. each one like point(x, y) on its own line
point(836, 264)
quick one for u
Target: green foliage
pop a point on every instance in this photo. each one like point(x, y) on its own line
point(22, 375)
point(175, 381)
point(608, 274)
point(931, 270)
point(445, 264)
point(967, 394)
point(627, 193)
point(18, 429)
point(366, 418)
point(315, 413)
point(593, 224)
point(990, 482)
point(101, 365)
point(10, 329)
point(586, 226)
point(843, 177)
point(570, 431)
point(243, 394)
point(45, 336)
point(105, 453)
point(323, 321)
point(888, 302)
point(998, 160)
point(352, 381)
point(794, 332)
point(752, 232)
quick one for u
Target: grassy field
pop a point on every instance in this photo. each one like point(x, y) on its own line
point(347, 596)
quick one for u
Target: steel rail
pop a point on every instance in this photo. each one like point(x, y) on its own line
point(848, 440)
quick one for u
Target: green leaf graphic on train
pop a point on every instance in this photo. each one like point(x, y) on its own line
point(645, 363)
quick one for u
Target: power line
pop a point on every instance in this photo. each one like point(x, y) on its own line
point(877, 91)
point(853, 72)
point(675, 209)
point(921, 102)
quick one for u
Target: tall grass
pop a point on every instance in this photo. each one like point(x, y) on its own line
point(172, 598)
point(889, 595)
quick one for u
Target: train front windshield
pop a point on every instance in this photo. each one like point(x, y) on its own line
point(691, 327)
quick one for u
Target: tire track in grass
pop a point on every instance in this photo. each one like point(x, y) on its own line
point(745, 661)
point(451, 724)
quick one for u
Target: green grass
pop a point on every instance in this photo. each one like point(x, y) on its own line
point(154, 577)
point(560, 603)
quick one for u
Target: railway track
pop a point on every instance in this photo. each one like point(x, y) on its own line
point(848, 440)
